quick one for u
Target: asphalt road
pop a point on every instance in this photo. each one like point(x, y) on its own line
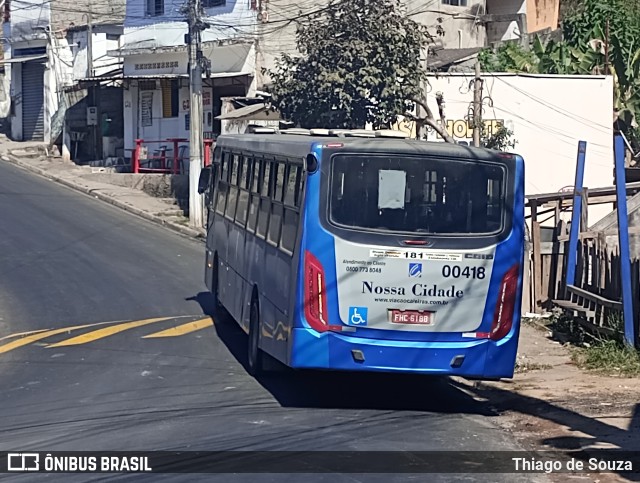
point(67, 260)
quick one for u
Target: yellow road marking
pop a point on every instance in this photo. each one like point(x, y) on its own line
point(41, 335)
point(106, 332)
point(182, 329)
point(20, 334)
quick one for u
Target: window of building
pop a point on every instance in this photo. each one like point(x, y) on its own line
point(213, 3)
point(170, 97)
point(155, 8)
point(147, 85)
point(455, 3)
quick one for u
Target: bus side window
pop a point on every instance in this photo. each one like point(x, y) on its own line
point(265, 203)
point(222, 197)
point(265, 178)
point(221, 194)
point(234, 167)
point(249, 172)
point(290, 186)
point(244, 178)
point(244, 175)
point(275, 222)
point(254, 198)
point(255, 180)
point(223, 163)
point(289, 230)
point(281, 170)
point(298, 186)
point(229, 167)
point(232, 196)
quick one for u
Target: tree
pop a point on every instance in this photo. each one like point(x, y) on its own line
point(359, 63)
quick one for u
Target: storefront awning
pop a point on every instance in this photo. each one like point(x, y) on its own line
point(215, 75)
point(255, 112)
point(26, 58)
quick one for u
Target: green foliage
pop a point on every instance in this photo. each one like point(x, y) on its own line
point(508, 57)
point(609, 357)
point(501, 140)
point(359, 64)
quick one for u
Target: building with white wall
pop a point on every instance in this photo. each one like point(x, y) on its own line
point(41, 55)
point(155, 59)
point(547, 116)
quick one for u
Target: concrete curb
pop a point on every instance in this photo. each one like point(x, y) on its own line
point(190, 232)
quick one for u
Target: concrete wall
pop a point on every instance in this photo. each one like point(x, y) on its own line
point(542, 14)
point(28, 21)
point(5, 94)
point(16, 96)
point(509, 30)
point(158, 185)
point(461, 27)
point(69, 13)
point(102, 62)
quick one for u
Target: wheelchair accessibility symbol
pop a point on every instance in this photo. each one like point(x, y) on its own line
point(357, 316)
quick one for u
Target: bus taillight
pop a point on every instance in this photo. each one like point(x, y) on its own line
point(503, 316)
point(315, 299)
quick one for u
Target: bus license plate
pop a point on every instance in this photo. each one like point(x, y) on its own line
point(411, 317)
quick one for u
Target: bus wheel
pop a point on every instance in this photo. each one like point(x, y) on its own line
point(215, 283)
point(255, 356)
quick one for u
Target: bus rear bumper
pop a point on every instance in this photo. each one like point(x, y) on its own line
point(476, 358)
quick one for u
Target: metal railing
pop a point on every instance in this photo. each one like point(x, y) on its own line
point(172, 156)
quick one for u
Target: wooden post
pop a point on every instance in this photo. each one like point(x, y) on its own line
point(623, 242)
point(537, 258)
point(576, 214)
point(584, 210)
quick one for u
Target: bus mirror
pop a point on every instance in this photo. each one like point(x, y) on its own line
point(311, 163)
point(203, 181)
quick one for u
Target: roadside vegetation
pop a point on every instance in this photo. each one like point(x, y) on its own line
point(609, 357)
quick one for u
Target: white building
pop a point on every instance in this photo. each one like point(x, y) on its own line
point(245, 36)
point(40, 47)
point(548, 117)
point(155, 57)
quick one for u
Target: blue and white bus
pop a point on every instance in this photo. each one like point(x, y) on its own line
point(358, 251)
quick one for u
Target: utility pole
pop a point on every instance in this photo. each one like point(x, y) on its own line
point(93, 90)
point(196, 205)
point(89, 44)
point(477, 106)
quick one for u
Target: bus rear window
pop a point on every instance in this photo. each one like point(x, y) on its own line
point(416, 195)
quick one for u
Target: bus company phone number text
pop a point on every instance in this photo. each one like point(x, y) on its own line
point(363, 269)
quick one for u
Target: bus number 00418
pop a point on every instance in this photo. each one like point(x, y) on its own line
point(456, 271)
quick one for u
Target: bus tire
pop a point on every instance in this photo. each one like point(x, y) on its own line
point(215, 284)
point(255, 356)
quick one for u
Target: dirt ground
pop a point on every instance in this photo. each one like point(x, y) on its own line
point(552, 404)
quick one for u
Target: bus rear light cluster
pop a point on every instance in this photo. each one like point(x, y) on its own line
point(315, 295)
point(503, 316)
point(315, 301)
